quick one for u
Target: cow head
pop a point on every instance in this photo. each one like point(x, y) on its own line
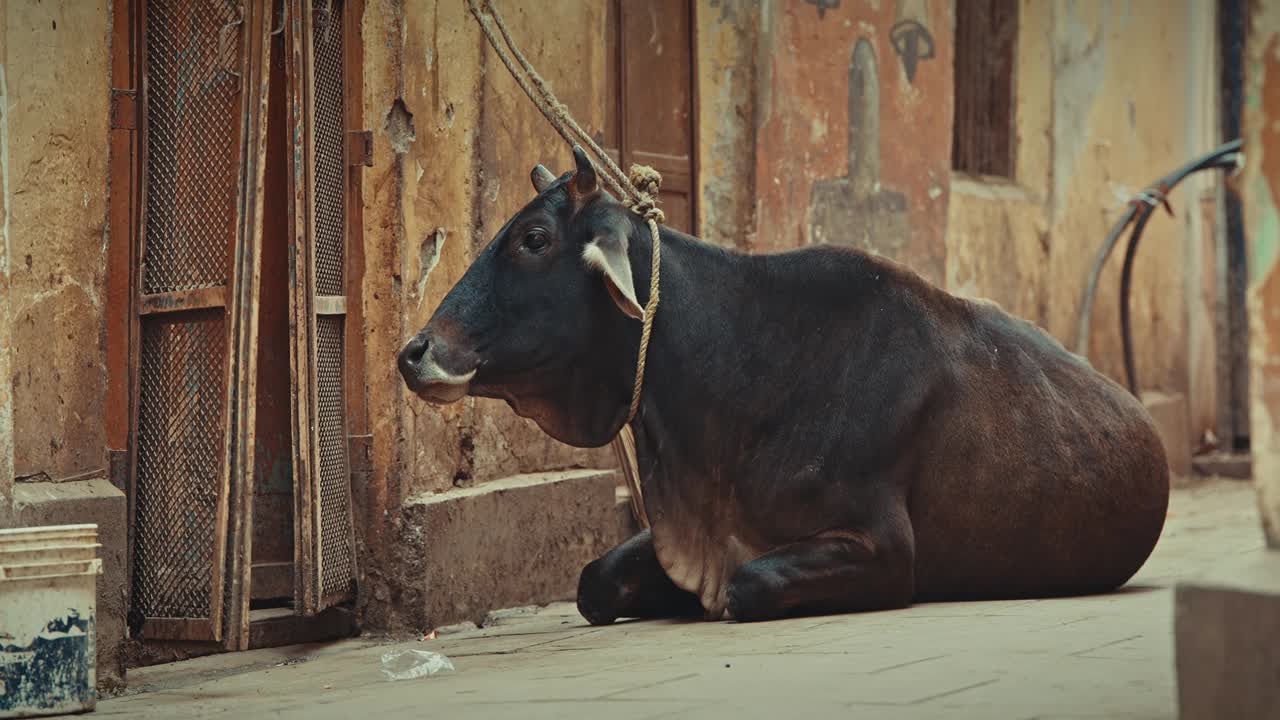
point(545, 318)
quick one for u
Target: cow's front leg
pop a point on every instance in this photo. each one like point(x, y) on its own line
point(833, 573)
point(628, 582)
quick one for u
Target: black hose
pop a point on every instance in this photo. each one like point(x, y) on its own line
point(1126, 279)
point(1226, 155)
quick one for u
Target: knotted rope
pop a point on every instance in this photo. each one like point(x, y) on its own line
point(639, 193)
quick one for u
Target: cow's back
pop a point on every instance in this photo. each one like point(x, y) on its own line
point(1044, 476)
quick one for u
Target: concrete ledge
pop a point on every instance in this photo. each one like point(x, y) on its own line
point(1237, 466)
point(87, 501)
point(508, 543)
point(1226, 629)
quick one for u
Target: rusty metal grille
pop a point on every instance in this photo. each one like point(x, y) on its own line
point(330, 160)
point(335, 487)
point(180, 462)
point(193, 124)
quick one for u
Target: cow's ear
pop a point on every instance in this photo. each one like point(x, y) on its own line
point(607, 253)
point(541, 177)
point(584, 180)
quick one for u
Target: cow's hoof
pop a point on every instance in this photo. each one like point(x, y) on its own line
point(595, 601)
point(749, 599)
point(595, 617)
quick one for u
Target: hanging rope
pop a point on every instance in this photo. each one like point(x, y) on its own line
point(639, 192)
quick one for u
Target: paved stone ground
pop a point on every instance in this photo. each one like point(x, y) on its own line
point(1095, 657)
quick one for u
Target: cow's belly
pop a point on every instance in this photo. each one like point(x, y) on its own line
point(701, 560)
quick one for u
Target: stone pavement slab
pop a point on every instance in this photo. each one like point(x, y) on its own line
point(1106, 656)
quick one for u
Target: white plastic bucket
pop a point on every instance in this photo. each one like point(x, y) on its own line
point(48, 613)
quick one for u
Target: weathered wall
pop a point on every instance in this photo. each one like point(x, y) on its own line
point(845, 147)
point(55, 70)
point(54, 81)
point(454, 144)
point(727, 37)
point(842, 119)
point(454, 140)
point(6, 328)
point(1261, 191)
point(1113, 132)
point(1091, 132)
point(997, 230)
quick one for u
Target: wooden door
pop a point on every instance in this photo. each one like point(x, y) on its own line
point(325, 547)
point(195, 284)
point(649, 121)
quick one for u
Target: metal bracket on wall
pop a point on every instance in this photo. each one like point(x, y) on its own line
point(124, 109)
point(360, 148)
point(360, 453)
point(118, 468)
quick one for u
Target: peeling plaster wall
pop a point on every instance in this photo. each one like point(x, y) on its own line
point(1114, 131)
point(1092, 131)
point(436, 196)
point(454, 141)
point(1261, 190)
point(727, 37)
point(839, 150)
point(997, 231)
point(6, 328)
point(54, 70)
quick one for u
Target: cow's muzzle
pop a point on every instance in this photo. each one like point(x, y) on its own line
point(423, 363)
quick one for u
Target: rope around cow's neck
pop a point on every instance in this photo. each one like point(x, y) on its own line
point(639, 192)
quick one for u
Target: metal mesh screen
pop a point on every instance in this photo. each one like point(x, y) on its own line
point(335, 488)
point(330, 159)
point(182, 378)
point(193, 119)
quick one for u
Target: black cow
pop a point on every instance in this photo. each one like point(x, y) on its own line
point(820, 430)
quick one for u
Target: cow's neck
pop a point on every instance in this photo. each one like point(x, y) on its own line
point(688, 394)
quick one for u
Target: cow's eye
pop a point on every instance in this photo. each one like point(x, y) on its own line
point(535, 241)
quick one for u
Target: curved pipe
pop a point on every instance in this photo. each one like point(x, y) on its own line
point(1140, 209)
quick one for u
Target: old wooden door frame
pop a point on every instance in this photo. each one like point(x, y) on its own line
point(127, 304)
point(620, 105)
point(309, 306)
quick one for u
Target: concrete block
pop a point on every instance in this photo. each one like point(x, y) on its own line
point(1170, 413)
point(1226, 626)
point(87, 501)
point(513, 542)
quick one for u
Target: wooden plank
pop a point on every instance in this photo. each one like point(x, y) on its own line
point(357, 414)
point(331, 624)
point(198, 299)
point(272, 580)
point(121, 220)
point(330, 305)
point(188, 629)
point(137, 248)
point(247, 283)
point(300, 320)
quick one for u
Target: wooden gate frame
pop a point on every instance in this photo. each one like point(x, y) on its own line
point(121, 333)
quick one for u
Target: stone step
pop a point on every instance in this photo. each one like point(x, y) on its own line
point(508, 543)
point(1226, 627)
point(1237, 466)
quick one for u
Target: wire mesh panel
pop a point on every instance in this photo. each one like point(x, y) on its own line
point(193, 118)
point(336, 552)
point(177, 485)
point(193, 91)
point(328, 548)
point(330, 161)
